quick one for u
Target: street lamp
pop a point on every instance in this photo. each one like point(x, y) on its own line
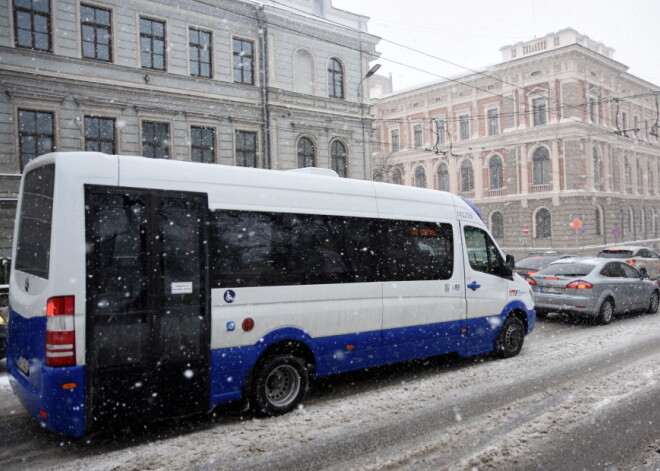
point(366, 155)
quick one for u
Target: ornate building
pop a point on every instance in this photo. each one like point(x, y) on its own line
point(557, 132)
point(272, 84)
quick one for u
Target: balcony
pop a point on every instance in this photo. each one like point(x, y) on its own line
point(495, 192)
point(540, 188)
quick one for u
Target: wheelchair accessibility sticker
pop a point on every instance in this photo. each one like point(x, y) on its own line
point(230, 296)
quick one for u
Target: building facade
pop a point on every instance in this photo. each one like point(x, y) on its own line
point(270, 84)
point(557, 145)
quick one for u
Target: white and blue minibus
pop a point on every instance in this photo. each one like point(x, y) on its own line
point(143, 289)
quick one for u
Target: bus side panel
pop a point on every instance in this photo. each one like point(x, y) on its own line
point(48, 394)
point(483, 331)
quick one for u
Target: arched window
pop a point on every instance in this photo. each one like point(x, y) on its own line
point(467, 176)
point(599, 222)
point(627, 176)
point(306, 153)
point(497, 225)
point(303, 72)
point(496, 173)
point(543, 222)
point(541, 164)
point(338, 158)
point(420, 177)
point(443, 177)
point(335, 79)
point(397, 179)
point(639, 176)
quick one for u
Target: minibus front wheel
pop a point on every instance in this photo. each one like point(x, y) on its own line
point(511, 337)
point(280, 383)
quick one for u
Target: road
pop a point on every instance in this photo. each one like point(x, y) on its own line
point(578, 397)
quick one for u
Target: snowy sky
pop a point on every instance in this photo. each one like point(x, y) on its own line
point(470, 33)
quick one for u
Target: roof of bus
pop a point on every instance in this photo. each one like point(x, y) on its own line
point(233, 187)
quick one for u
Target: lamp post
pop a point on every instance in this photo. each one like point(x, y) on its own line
point(365, 152)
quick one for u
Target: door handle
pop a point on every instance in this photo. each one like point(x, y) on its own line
point(474, 286)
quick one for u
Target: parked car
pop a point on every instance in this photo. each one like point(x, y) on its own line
point(644, 259)
point(596, 288)
point(537, 261)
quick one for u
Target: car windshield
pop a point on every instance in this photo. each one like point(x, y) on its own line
point(568, 269)
point(535, 262)
point(615, 253)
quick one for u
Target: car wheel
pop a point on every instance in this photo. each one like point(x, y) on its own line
point(655, 301)
point(511, 337)
point(606, 312)
point(280, 383)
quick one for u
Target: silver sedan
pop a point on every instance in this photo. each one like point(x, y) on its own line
point(595, 288)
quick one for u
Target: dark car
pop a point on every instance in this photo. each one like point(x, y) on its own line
point(537, 261)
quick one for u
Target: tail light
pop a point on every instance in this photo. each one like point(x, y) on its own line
point(531, 281)
point(630, 262)
point(579, 284)
point(60, 332)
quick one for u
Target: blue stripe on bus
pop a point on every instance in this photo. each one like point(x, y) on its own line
point(230, 367)
point(42, 390)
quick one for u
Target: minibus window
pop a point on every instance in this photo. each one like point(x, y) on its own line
point(33, 247)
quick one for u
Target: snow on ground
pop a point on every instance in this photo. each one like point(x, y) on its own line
point(229, 440)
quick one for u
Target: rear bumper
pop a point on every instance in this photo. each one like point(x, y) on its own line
point(584, 306)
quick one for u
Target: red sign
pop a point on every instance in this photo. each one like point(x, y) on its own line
point(576, 224)
point(525, 230)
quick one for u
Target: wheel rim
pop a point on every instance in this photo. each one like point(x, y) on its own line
point(282, 385)
point(512, 338)
point(607, 312)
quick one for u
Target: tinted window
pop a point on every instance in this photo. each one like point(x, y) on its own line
point(33, 248)
point(568, 269)
point(630, 272)
point(269, 249)
point(419, 251)
point(615, 253)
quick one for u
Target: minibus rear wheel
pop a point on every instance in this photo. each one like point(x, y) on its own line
point(280, 383)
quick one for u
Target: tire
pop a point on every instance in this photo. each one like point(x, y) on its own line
point(511, 337)
point(655, 301)
point(606, 312)
point(279, 385)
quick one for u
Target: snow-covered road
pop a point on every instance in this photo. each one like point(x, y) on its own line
point(577, 397)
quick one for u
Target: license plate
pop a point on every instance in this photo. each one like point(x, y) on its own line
point(550, 289)
point(23, 365)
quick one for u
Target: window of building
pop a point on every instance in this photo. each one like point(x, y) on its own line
point(246, 149)
point(541, 165)
point(394, 140)
point(497, 225)
point(443, 177)
point(32, 24)
point(464, 121)
point(636, 126)
point(420, 177)
point(96, 28)
point(397, 178)
point(467, 176)
point(496, 172)
point(36, 134)
point(593, 111)
point(152, 44)
point(243, 61)
point(200, 50)
point(597, 167)
point(202, 144)
point(493, 123)
point(417, 132)
point(543, 221)
point(598, 221)
point(540, 109)
point(440, 128)
point(306, 153)
point(100, 135)
point(155, 140)
point(624, 123)
point(335, 79)
point(338, 158)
